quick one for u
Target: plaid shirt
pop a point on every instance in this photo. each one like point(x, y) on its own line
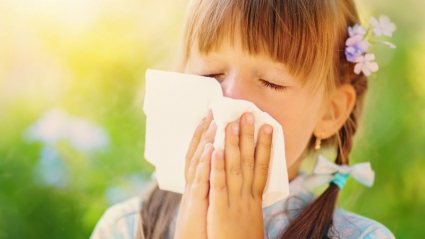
point(122, 220)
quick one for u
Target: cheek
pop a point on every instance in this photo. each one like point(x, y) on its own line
point(297, 133)
point(298, 120)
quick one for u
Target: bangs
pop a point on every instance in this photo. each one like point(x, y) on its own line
point(291, 32)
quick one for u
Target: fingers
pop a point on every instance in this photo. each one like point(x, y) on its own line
point(218, 187)
point(205, 133)
point(202, 176)
point(232, 162)
point(262, 160)
point(241, 170)
point(247, 148)
point(192, 147)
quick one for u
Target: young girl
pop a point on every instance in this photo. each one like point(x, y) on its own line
point(289, 58)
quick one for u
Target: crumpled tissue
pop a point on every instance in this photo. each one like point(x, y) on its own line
point(175, 103)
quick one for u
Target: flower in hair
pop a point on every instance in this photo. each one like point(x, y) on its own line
point(356, 46)
point(365, 64)
point(382, 27)
point(356, 30)
point(361, 38)
point(388, 44)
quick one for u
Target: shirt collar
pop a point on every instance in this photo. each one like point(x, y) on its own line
point(299, 197)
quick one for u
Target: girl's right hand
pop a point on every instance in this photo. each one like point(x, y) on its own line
point(192, 216)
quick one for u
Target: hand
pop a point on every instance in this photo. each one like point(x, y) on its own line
point(191, 221)
point(238, 178)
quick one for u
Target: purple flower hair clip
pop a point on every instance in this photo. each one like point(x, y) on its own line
point(361, 38)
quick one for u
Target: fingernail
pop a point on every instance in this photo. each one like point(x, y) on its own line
point(268, 129)
point(201, 124)
point(250, 119)
point(235, 129)
point(210, 115)
point(212, 124)
point(220, 154)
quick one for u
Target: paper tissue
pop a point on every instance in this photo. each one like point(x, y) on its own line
point(175, 103)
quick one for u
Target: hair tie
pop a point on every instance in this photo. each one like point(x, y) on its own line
point(340, 180)
point(326, 171)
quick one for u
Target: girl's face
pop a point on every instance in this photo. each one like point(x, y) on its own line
point(270, 87)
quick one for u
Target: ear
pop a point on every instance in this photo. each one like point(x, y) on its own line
point(336, 111)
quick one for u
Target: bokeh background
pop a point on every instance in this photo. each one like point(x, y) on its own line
point(72, 125)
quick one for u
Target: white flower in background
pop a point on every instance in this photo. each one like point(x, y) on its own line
point(365, 64)
point(382, 27)
point(56, 125)
point(84, 135)
point(49, 129)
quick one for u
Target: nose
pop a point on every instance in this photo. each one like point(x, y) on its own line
point(235, 87)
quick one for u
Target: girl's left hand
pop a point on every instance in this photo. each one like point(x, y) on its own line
point(238, 178)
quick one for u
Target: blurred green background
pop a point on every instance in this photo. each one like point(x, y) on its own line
point(72, 125)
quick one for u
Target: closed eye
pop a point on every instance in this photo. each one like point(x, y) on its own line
point(273, 86)
point(211, 75)
point(263, 82)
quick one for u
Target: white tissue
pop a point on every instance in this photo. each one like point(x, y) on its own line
point(175, 104)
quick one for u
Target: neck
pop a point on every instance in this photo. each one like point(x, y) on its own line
point(295, 167)
point(294, 170)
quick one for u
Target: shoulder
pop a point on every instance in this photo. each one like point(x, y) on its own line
point(350, 225)
point(119, 220)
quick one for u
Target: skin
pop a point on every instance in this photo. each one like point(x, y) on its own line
point(229, 205)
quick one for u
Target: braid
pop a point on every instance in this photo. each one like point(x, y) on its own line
point(316, 219)
point(157, 212)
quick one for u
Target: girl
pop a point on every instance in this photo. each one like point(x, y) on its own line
point(287, 57)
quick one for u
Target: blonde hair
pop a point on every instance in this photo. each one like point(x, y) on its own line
point(308, 36)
